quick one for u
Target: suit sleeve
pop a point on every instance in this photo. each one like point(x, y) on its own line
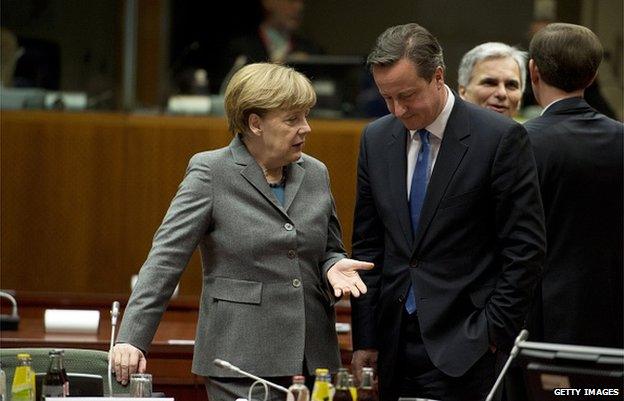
point(368, 245)
point(521, 236)
point(184, 224)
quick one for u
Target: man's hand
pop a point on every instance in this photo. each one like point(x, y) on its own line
point(363, 358)
point(344, 278)
point(126, 360)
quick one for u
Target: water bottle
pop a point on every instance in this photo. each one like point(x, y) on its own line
point(23, 387)
point(299, 390)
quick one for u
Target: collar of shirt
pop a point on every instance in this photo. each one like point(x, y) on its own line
point(436, 128)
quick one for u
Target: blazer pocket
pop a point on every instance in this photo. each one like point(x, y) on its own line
point(480, 296)
point(456, 200)
point(234, 290)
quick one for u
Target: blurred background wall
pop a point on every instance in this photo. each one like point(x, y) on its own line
point(173, 35)
point(85, 192)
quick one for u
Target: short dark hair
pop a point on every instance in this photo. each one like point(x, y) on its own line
point(410, 41)
point(566, 55)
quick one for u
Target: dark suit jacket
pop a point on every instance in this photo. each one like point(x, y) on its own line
point(476, 256)
point(579, 159)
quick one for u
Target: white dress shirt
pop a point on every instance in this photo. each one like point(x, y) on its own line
point(436, 128)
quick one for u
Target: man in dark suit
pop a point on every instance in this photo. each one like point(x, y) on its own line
point(579, 159)
point(448, 209)
point(275, 40)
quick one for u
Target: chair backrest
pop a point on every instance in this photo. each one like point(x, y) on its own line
point(75, 361)
point(82, 385)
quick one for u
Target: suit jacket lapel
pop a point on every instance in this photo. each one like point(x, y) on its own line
point(452, 150)
point(296, 172)
point(397, 173)
point(253, 173)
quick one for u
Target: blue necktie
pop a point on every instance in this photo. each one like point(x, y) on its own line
point(417, 198)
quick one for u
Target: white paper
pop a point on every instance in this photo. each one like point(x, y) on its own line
point(71, 321)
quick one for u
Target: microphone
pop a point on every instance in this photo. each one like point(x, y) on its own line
point(9, 322)
point(226, 365)
point(114, 314)
point(524, 334)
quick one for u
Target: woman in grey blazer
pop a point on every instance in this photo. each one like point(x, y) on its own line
point(262, 214)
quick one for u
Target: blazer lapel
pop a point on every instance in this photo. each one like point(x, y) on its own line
point(296, 172)
point(452, 150)
point(397, 173)
point(253, 173)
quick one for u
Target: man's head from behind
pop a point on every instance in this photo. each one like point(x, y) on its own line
point(566, 56)
point(493, 75)
point(408, 66)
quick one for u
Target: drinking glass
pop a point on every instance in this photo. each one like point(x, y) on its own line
point(140, 385)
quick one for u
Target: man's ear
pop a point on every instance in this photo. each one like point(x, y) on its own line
point(461, 89)
point(534, 72)
point(254, 122)
point(438, 75)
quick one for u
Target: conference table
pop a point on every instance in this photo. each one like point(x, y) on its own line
point(170, 355)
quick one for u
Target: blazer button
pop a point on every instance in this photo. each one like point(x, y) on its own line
point(400, 299)
point(288, 227)
point(296, 283)
point(292, 254)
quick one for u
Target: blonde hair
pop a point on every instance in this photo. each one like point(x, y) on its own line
point(262, 87)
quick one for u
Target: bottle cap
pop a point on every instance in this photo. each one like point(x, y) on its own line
point(321, 371)
point(23, 356)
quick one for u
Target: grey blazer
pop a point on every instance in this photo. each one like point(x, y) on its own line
point(265, 303)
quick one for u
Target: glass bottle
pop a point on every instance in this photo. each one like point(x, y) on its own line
point(65, 376)
point(352, 387)
point(342, 392)
point(299, 390)
point(367, 390)
point(23, 387)
point(3, 388)
point(320, 391)
point(53, 384)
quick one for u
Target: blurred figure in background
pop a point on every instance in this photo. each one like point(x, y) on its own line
point(492, 75)
point(9, 53)
point(274, 40)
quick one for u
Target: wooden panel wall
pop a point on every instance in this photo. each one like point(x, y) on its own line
point(83, 193)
